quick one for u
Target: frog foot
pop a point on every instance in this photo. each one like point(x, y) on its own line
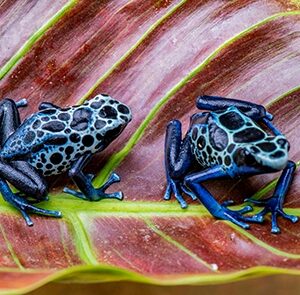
point(25, 207)
point(97, 194)
point(177, 188)
point(274, 206)
point(235, 217)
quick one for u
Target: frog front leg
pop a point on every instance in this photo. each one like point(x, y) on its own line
point(19, 173)
point(220, 211)
point(84, 183)
point(274, 204)
point(178, 160)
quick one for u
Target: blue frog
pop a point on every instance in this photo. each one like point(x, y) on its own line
point(227, 141)
point(52, 141)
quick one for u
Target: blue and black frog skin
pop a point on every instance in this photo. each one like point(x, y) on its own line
point(227, 141)
point(52, 141)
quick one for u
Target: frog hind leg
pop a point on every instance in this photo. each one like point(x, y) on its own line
point(220, 211)
point(178, 161)
point(19, 173)
point(217, 103)
point(84, 183)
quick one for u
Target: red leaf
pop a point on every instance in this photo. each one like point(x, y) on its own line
point(156, 56)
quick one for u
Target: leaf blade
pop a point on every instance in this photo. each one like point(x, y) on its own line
point(69, 68)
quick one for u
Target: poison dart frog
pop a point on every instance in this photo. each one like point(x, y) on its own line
point(228, 140)
point(52, 141)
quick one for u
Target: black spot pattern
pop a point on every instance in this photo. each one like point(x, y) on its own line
point(230, 148)
point(81, 118)
point(282, 142)
point(227, 161)
point(277, 154)
point(194, 133)
point(39, 165)
point(232, 121)
point(49, 166)
point(97, 104)
point(74, 137)
point(69, 150)
point(248, 135)
point(108, 112)
point(123, 109)
point(43, 158)
point(99, 124)
point(217, 137)
point(29, 137)
point(267, 146)
point(56, 158)
point(64, 116)
point(54, 126)
point(37, 148)
point(99, 136)
point(220, 160)
point(209, 150)
point(57, 140)
point(45, 119)
point(89, 127)
point(36, 124)
point(88, 140)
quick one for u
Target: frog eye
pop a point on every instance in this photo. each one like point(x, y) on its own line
point(249, 159)
point(201, 142)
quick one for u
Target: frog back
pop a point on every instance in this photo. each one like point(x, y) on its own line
point(215, 141)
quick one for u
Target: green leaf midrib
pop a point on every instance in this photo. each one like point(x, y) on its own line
point(76, 213)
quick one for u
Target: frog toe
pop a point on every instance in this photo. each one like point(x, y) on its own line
point(189, 193)
point(74, 193)
point(289, 217)
point(116, 195)
point(24, 207)
point(113, 178)
point(168, 192)
point(235, 217)
point(175, 187)
point(27, 218)
point(246, 209)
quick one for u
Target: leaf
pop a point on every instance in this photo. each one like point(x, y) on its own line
point(156, 56)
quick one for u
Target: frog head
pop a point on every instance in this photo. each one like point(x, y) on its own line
point(109, 118)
